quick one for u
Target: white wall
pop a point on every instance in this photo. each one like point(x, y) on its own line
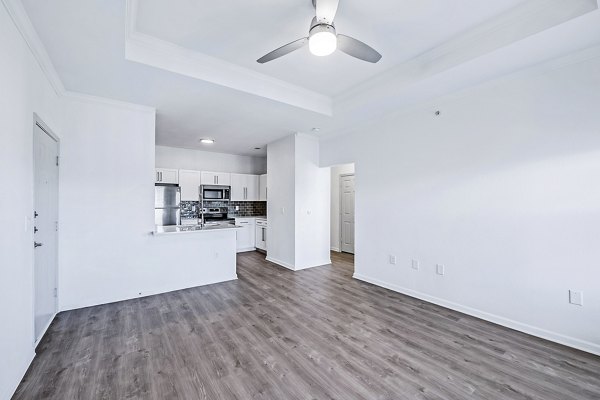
point(173, 157)
point(336, 172)
point(503, 188)
point(313, 188)
point(107, 214)
point(24, 91)
point(298, 206)
point(282, 201)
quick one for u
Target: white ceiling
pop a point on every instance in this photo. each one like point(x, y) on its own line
point(241, 31)
point(419, 40)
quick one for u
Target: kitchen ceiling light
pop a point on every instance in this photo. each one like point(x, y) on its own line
point(207, 141)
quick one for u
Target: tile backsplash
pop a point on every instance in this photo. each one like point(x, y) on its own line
point(190, 209)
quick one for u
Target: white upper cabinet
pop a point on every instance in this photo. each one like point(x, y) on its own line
point(189, 181)
point(216, 178)
point(262, 188)
point(244, 187)
point(166, 175)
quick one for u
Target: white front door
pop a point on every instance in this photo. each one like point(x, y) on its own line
point(347, 210)
point(45, 160)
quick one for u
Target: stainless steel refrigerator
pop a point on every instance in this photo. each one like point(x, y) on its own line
point(167, 199)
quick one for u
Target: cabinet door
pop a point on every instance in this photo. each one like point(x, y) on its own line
point(165, 175)
point(246, 235)
point(189, 181)
point(252, 187)
point(215, 178)
point(261, 237)
point(208, 178)
point(238, 185)
point(223, 178)
point(262, 188)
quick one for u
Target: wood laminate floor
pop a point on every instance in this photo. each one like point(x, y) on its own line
point(313, 334)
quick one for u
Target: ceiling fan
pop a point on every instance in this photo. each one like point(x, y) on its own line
point(323, 40)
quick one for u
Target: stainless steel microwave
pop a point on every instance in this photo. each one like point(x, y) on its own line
point(215, 193)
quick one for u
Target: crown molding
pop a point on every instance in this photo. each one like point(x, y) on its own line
point(525, 20)
point(82, 97)
point(433, 103)
point(19, 16)
point(158, 53)
point(21, 20)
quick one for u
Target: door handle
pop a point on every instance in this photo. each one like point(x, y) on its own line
point(36, 244)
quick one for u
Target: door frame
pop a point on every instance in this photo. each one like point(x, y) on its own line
point(39, 122)
point(341, 185)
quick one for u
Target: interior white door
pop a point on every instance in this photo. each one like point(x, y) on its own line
point(347, 211)
point(45, 160)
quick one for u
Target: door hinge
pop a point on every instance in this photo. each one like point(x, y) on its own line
point(55, 292)
point(56, 225)
point(57, 158)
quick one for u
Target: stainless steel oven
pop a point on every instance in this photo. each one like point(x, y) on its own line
point(215, 193)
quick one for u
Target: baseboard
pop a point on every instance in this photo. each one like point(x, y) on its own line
point(246, 249)
point(336, 249)
point(583, 345)
point(45, 329)
point(22, 371)
point(146, 293)
point(293, 267)
point(281, 263)
point(320, 264)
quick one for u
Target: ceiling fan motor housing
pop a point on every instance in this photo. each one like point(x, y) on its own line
point(317, 26)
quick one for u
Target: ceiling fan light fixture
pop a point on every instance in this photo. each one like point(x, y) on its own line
point(322, 41)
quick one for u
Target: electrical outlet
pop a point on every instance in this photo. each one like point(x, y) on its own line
point(439, 269)
point(415, 264)
point(392, 259)
point(576, 298)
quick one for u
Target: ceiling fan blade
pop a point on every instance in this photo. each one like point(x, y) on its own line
point(326, 10)
point(358, 49)
point(283, 50)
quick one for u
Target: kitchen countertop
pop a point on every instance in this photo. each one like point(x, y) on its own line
point(167, 230)
point(251, 216)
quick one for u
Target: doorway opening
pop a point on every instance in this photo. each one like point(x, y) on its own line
point(342, 213)
point(45, 226)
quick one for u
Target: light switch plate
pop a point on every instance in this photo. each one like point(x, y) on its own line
point(415, 264)
point(392, 259)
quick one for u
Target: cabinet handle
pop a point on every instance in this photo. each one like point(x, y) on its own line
point(156, 178)
point(217, 179)
point(263, 234)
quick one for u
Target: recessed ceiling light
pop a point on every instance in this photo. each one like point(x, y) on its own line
point(316, 129)
point(207, 141)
